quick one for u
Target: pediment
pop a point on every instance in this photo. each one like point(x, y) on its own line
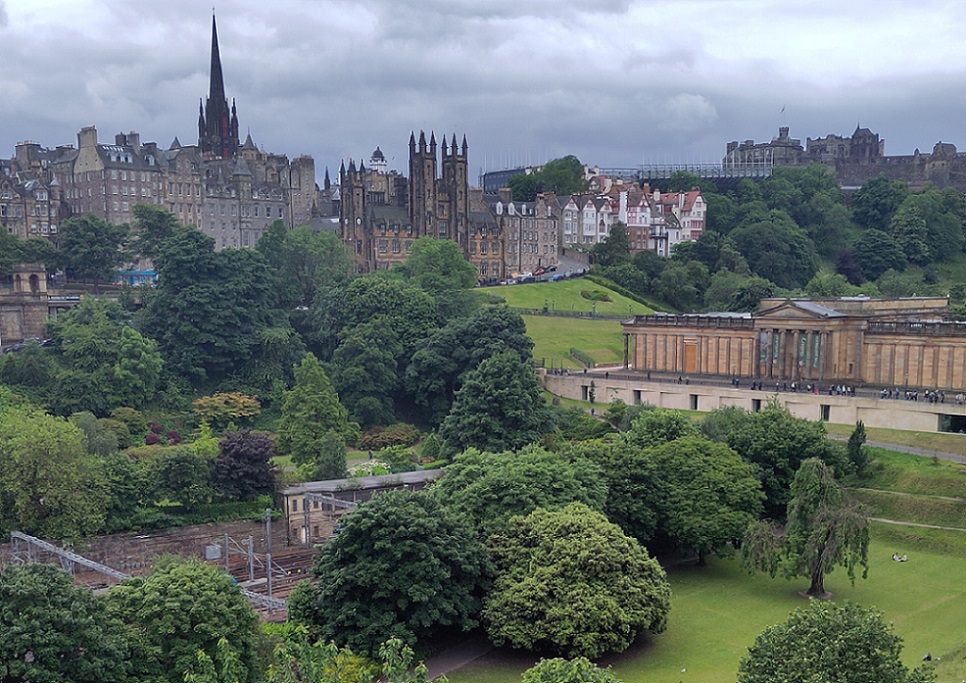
point(796, 310)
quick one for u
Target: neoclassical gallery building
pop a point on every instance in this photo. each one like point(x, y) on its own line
point(907, 342)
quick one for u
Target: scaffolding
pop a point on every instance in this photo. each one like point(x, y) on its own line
point(27, 549)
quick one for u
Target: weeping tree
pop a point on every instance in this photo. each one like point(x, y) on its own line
point(825, 529)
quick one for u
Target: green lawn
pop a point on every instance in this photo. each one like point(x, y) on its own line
point(717, 612)
point(565, 295)
point(892, 471)
point(553, 338)
point(930, 441)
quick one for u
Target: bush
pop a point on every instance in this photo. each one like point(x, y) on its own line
point(155, 427)
point(173, 436)
point(399, 434)
point(152, 439)
point(594, 295)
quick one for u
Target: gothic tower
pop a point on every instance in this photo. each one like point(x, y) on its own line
point(455, 187)
point(355, 227)
point(217, 125)
point(423, 190)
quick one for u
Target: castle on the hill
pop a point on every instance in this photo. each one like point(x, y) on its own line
point(232, 191)
point(855, 159)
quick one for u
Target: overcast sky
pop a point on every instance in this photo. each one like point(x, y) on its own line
point(614, 82)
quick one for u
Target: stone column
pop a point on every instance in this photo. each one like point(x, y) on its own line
point(627, 341)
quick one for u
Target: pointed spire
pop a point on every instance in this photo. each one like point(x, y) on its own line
point(464, 144)
point(432, 142)
point(422, 142)
point(327, 184)
point(216, 85)
point(445, 145)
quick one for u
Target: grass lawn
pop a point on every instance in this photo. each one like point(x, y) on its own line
point(553, 338)
point(565, 295)
point(717, 611)
point(893, 471)
point(930, 441)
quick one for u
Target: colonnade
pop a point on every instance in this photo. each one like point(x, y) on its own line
point(792, 354)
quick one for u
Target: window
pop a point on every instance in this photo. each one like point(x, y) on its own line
point(694, 401)
point(826, 409)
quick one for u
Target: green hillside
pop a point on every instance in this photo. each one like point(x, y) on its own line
point(567, 296)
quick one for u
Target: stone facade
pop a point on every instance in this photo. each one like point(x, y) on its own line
point(23, 311)
point(383, 213)
point(855, 159)
point(231, 191)
point(881, 342)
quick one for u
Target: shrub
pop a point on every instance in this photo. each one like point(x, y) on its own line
point(399, 434)
point(173, 436)
point(155, 427)
point(594, 295)
point(151, 439)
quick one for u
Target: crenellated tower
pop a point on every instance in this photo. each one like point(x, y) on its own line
point(423, 185)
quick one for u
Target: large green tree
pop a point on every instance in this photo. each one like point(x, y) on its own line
point(153, 224)
point(181, 608)
point(776, 443)
point(828, 642)
point(439, 267)
point(615, 248)
point(92, 248)
point(825, 529)
point(49, 485)
point(876, 252)
point(439, 366)
point(304, 260)
point(874, 204)
point(563, 176)
point(311, 409)
point(777, 249)
point(499, 407)
point(402, 567)
point(571, 582)
point(490, 488)
point(365, 371)
point(708, 495)
point(210, 310)
point(56, 632)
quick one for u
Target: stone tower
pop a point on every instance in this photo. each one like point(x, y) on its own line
point(423, 185)
point(217, 125)
point(355, 228)
point(454, 188)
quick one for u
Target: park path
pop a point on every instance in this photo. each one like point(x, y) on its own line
point(928, 452)
point(457, 656)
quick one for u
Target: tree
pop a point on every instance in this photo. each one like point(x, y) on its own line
point(437, 265)
point(91, 247)
point(296, 661)
point(876, 201)
point(571, 582)
point(222, 409)
point(49, 485)
point(153, 225)
point(615, 248)
point(829, 642)
point(490, 488)
point(777, 249)
point(856, 448)
point(99, 440)
point(824, 529)
point(709, 495)
point(776, 444)
point(310, 410)
point(403, 567)
point(331, 460)
point(439, 367)
point(563, 176)
point(655, 427)
point(243, 469)
point(209, 309)
point(674, 285)
point(908, 227)
point(180, 608)
point(876, 252)
point(304, 260)
point(52, 630)
point(365, 372)
point(183, 476)
point(577, 670)
point(498, 408)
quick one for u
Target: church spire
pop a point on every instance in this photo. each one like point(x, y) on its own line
point(219, 134)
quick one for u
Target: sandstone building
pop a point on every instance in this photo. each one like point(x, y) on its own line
point(855, 159)
point(230, 190)
point(908, 342)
